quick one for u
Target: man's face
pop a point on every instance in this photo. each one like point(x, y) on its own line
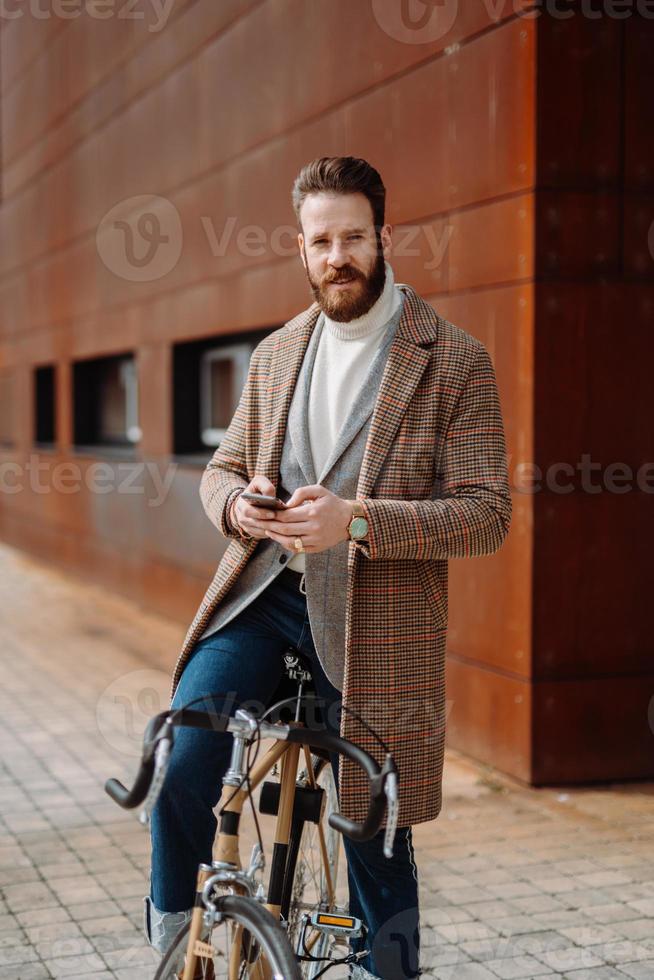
point(341, 253)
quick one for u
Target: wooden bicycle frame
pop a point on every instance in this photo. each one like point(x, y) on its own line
point(227, 849)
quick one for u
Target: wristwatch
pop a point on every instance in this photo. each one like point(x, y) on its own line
point(358, 526)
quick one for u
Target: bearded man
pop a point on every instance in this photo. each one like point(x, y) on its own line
point(378, 423)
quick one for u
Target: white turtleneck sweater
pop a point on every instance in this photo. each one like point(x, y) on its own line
point(343, 358)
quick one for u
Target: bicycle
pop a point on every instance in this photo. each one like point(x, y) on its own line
point(239, 929)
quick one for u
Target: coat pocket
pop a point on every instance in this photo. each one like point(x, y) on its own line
point(435, 589)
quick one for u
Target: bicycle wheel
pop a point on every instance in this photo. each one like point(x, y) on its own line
point(311, 877)
point(248, 945)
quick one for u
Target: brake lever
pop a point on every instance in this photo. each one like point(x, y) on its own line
point(392, 811)
point(162, 748)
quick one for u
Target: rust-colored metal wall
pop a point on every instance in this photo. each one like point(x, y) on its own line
point(593, 656)
point(214, 112)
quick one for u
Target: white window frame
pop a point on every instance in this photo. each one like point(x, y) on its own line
point(129, 377)
point(240, 354)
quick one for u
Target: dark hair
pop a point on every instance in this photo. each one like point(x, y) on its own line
point(341, 175)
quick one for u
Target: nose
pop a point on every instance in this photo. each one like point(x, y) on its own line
point(338, 255)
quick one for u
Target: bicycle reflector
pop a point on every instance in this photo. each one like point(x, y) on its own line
point(336, 924)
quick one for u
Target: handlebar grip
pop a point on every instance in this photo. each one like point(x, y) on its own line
point(361, 831)
point(130, 798)
point(377, 803)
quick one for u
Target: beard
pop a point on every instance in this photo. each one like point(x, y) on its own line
point(343, 305)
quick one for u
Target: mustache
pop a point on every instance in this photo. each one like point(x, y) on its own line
point(343, 276)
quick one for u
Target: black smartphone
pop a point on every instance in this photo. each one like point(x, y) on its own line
point(261, 500)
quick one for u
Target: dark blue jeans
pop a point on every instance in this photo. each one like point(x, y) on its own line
point(244, 661)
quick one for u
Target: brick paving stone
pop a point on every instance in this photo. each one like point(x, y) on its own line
point(513, 889)
point(102, 975)
point(536, 904)
point(461, 931)
point(515, 882)
point(114, 941)
point(516, 924)
point(643, 906)
point(635, 929)
point(644, 970)
point(32, 894)
point(589, 935)
point(534, 943)
point(517, 968)
point(489, 910)
point(597, 973)
point(30, 971)
point(102, 926)
point(493, 948)
point(615, 912)
point(570, 958)
point(440, 954)
point(464, 971)
point(622, 951)
point(459, 896)
point(73, 966)
point(52, 940)
point(12, 935)
point(438, 915)
point(15, 954)
point(36, 917)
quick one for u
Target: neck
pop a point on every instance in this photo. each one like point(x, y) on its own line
point(377, 316)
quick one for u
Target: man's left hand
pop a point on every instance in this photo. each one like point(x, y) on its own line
point(314, 514)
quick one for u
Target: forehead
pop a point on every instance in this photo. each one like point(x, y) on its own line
point(335, 213)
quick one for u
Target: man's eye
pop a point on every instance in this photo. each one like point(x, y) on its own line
point(355, 236)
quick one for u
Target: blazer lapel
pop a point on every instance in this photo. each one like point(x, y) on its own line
point(285, 366)
point(298, 416)
point(405, 365)
point(364, 401)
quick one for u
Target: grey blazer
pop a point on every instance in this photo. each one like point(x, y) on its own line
point(326, 572)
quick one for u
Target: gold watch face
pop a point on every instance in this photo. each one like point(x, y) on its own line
point(358, 527)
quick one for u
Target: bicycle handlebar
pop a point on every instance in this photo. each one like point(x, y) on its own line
point(129, 799)
point(160, 727)
point(376, 778)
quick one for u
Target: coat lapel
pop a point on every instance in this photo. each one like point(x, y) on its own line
point(364, 402)
point(298, 417)
point(285, 367)
point(405, 365)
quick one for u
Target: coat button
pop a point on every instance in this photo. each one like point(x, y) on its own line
point(282, 559)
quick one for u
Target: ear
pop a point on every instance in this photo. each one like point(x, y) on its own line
point(300, 244)
point(386, 235)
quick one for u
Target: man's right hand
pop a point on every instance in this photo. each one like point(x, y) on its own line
point(252, 520)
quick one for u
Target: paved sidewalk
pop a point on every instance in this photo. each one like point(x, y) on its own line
point(515, 883)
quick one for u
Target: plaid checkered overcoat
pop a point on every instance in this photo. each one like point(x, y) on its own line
point(434, 485)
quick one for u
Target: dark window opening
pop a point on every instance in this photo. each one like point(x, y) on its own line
point(44, 405)
point(208, 378)
point(106, 401)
